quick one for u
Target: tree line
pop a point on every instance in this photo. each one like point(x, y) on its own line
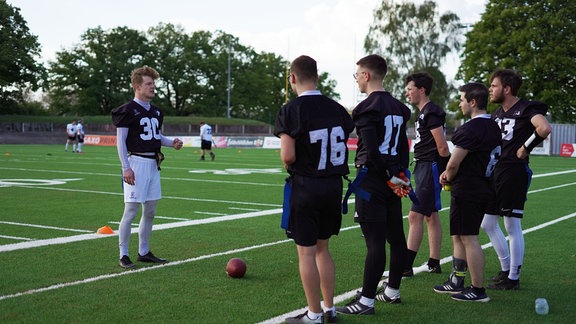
point(91, 78)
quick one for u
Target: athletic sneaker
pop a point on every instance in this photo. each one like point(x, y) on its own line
point(472, 294)
point(303, 318)
point(212, 156)
point(202, 158)
point(355, 307)
point(126, 263)
point(435, 269)
point(506, 284)
point(149, 257)
point(449, 287)
point(381, 296)
point(500, 276)
point(330, 317)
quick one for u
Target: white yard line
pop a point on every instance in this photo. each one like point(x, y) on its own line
point(47, 227)
point(93, 236)
point(119, 176)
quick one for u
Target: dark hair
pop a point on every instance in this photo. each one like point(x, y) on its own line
point(477, 91)
point(375, 63)
point(508, 78)
point(304, 67)
point(421, 80)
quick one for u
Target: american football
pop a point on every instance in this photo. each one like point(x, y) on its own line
point(236, 268)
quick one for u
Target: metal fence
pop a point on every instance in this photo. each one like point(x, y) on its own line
point(561, 134)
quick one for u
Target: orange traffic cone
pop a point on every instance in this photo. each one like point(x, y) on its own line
point(105, 230)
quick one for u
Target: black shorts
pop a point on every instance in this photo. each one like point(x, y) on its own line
point(427, 188)
point(465, 216)
point(72, 137)
point(80, 138)
point(206, 145)
point(510, 183)
point(315, 209)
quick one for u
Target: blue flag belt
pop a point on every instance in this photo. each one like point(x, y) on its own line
point(354, 187)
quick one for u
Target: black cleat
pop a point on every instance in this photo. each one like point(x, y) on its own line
point(330, 317)
point(303, 318)
point(126, 263)
point(500, 276)
point(506, 284)
point(390, 300)
point(449, 287)
point(472, 294)
point(149, 257)
point(355, 307)
point(435, 269)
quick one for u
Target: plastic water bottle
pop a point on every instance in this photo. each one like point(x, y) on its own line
point(541, 306)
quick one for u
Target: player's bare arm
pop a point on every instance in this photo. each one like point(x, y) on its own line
point(542, 130)
point(287, 150)
point(440, 139)
point(453, 165)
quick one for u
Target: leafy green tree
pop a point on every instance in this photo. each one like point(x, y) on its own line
point(538, 40)
point(19, 69)
point(414, 38)
point(94, 77)
point(177, 65)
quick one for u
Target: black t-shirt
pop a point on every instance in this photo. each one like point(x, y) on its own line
point(516, 127)
point(384, 115)
point(321, 127)
point(430, 117)
point(481, 137)
point(143, 126)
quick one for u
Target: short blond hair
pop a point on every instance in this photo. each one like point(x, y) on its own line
point(138, 74)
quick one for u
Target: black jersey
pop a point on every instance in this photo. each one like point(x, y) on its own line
point(320, 127)
point(388, 117)
point(430, 117)
point(481, 137)
point(516, 127)
point(143, 126)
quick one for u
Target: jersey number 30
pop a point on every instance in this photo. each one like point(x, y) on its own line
point(150, 129)
point(332, 140)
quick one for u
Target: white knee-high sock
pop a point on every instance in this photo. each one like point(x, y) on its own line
point(514, 228)
point(130, 211)
point(492, 228)
point(145, 228)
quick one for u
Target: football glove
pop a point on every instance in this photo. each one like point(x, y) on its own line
point(400, 185)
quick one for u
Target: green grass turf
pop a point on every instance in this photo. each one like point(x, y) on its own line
point(81, 282)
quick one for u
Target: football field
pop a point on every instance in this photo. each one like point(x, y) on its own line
point(56, 269)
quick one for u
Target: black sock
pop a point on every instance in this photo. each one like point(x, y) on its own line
point(410, 257)
point(433, 262)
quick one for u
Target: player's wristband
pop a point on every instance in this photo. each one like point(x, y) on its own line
point(533, 141)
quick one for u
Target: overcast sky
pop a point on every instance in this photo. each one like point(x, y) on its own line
point(330, 31)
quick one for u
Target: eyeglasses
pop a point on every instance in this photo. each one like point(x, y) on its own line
point(355, 75)
point(288, 76)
